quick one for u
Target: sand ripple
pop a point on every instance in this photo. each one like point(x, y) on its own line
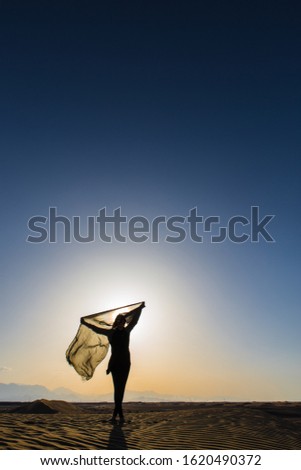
point(158, 426)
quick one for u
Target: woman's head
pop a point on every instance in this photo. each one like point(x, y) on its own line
point(119, 322)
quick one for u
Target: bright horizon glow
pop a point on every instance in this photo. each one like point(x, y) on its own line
point(171, 354)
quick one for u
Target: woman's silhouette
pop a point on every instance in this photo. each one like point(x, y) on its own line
point(120, 360)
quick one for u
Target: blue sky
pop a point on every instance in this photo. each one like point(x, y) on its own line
point(156, 109)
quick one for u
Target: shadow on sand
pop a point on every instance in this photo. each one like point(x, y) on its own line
point(117, 439)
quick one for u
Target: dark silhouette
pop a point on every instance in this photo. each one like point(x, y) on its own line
point(120, 360)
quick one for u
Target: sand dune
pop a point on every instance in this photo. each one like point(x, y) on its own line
point(151, 426)
point(44, 406)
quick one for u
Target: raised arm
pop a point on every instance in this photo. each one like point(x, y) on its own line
point(136, 315)
point(96, 329)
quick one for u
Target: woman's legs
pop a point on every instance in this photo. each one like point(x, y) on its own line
point(120, 376)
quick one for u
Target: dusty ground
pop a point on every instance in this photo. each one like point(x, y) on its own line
point(52, 425)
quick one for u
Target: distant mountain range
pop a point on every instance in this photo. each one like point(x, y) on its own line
point(21, 392)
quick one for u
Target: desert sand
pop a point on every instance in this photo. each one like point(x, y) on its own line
point(60, 425)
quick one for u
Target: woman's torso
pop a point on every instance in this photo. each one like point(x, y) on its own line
point(120, 353)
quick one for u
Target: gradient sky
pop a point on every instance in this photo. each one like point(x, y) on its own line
point(157, 108)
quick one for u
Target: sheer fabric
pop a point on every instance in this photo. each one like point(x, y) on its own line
point(88, 348)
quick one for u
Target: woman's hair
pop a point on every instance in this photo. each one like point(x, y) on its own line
point(118, 318)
